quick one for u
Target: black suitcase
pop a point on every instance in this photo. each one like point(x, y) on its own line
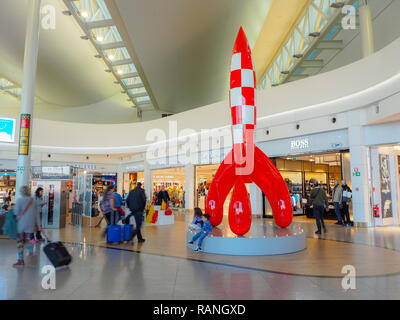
point(57, 254)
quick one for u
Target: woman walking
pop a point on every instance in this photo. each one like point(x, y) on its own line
point(27, 218)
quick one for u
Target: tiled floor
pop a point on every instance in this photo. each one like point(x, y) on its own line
point(163, 268)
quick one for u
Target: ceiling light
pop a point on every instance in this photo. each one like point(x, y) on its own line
point(120, 71)
point(99, 38)
point(84, 14)
point(111, 57)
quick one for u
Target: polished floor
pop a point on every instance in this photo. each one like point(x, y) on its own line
point(164, 268)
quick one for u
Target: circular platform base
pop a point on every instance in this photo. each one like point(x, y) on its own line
point(259, 241)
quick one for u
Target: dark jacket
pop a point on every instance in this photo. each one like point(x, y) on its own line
point(136, 201)
point(162, 195)
point(318, 197)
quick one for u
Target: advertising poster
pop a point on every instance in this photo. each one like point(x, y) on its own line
point(25, 125)
point(7, 130)
point(386, 192)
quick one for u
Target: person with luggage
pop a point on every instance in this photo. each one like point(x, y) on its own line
point(337, 199)
point(28, 218)
point(118, 204)
point(320, 201)
point(10, 225)
point(40, 204)
point(136, 203)
point(346, 198)
point(108, 206)
point(204, 232)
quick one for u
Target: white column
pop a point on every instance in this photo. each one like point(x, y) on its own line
point(148, 183)
point(255, 200)
point(359, 161)
point(120, 181)
point(28, 94)
point(366, 31)
point(189, 186)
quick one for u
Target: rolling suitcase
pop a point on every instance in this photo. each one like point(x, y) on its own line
point(57, 253)
point(114, 232)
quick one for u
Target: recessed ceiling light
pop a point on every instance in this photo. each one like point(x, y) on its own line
point(120, 71)
point(99, 38)
point(84, 14)
point(111, 57)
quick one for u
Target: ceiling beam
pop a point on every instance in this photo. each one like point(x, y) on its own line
point(138, 95)
point(100, 24)
point(134, 86)
point(298, 76)
point(330, 45)
point(112, 45)
point(318, 63)
point(128, 75)
point(121, 62)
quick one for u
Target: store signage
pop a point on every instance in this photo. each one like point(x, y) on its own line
point(356, 172)
point(24, 134)
point(299, 144)
point(7, 130)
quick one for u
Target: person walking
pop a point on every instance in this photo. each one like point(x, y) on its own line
point(27, 219)
point(319, 201)
point(108, 206)
point(346, 197)
point(40, 204)
point(136, 203)
point(337, 199)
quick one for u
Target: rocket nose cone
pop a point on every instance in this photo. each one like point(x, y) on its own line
point(241, 43)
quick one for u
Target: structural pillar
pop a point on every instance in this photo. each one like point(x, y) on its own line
point(366, 31)
point(28, 95)
point(359, 171)
point(148, 183)
point(189, 186)
point(255, 200)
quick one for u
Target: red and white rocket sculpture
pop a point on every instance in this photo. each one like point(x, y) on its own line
point(245, 163)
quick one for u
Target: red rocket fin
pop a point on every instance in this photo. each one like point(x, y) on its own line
point(221, 185)
point(240, 209)
point(267, 177)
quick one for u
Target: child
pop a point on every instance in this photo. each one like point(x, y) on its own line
point(10, 225)
point(205, 231)
point(197, 222)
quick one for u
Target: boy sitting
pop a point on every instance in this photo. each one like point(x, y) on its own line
point(205, 231)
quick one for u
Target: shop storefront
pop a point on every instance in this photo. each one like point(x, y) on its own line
point(385, 161)
point(7, 184)
point(130, 179)
point(173, 180)
point(303, 160)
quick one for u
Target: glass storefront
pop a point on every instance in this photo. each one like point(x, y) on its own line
point(173, 179)
point(384, 164)
point(300, 172)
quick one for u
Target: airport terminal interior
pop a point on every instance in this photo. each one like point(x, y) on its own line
point(199, 150)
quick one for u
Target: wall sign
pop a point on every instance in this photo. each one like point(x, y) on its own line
point(299, 144)
point(24, 132)
point(356, 172)
point(7, 130)
point(386, 192)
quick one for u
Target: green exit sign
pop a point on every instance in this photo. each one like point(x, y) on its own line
point(356, 174)
point(294, 159)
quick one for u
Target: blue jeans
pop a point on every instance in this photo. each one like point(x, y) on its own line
point(337, 211)
point(200, 235)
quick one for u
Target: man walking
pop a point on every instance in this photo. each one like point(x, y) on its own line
point(136, 203)
point(337, 199)
point(319, 201)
